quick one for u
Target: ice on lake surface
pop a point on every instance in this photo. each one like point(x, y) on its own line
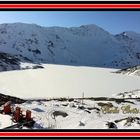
point(66, 81)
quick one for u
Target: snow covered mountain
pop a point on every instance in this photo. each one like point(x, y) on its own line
point(131, 43)
point(87, 45)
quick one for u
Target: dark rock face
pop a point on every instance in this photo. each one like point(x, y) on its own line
point(59, 113)
point(6, 98)
point(111, 125)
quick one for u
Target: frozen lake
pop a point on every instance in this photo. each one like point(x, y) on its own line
point(66, 81)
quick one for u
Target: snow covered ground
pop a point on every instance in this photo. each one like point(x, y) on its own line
point(55, 114)
point(80, 114)
point(5, 120)
point(66, 81)
point(57, 81)
point(130, 71)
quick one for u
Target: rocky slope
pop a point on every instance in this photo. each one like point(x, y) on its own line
point(130, 71)
point(129, 94)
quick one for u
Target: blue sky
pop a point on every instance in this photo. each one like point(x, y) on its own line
point(112, 21)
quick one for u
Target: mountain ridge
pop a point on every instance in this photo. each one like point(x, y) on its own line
point(86, 45)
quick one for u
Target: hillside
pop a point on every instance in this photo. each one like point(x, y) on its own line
point(130, 71)
point(129, 94)
point(87, 45)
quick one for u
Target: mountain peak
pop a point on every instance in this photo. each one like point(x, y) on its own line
point(131, 34)
point(90, 26)
point(86, 45)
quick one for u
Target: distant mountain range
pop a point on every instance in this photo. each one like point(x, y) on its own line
point(87, 45)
